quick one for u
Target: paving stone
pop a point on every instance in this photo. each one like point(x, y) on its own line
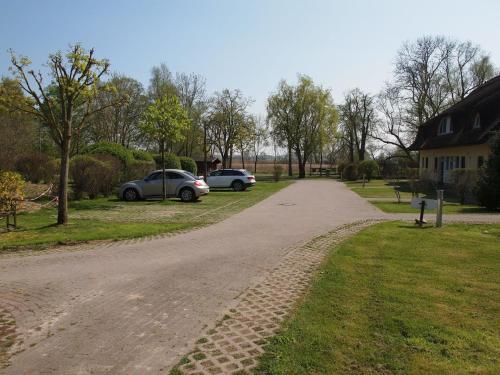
point(237, 343)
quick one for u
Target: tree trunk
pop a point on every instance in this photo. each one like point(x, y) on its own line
point(163, 184)
point(255, 164)
point(302, 166)
point(231, 157)
point(321, 164)
point(62, 207)
point(290, 172)
point(205, 151)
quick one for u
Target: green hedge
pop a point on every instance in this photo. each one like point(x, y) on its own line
point(125, 155)
point(142, 155)
point(171, 161)
point(188, 164)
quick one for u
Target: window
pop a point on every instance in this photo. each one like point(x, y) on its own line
point(477, 122)
point(231, 172)
point(154, 176)
point(435, 163)
point(445, 126)
point(216, 173)
point(174, 176)
point(426, 162)
point(462, 162)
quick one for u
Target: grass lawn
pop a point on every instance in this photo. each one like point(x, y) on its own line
point(111, 219)
point(398, 299)
point(448, 208)
point(378, 189)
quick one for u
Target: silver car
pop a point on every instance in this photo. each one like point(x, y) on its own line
point(178, 183)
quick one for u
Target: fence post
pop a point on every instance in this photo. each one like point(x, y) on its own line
point(439, 214)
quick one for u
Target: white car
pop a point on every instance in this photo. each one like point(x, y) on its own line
point(236, 179)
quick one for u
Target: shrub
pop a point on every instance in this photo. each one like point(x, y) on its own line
point(139, 169)
point(188, 164)
point(92, 176)
point(341, 167)
point(11, 191)
point(369, 168)
point(488, 193)
point(142, 155)
point(109, 148)
point(464, 183)
point(171, 161)
point(277, 172)
point(37, 167)
point(350, 172)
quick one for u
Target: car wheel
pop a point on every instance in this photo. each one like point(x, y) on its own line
point(187, 195)
point(130, 195)
point(238, 186)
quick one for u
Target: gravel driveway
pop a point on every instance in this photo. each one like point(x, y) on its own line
point(136, 306)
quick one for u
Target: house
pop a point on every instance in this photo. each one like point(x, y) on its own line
point(212, 164)
point(458, 137)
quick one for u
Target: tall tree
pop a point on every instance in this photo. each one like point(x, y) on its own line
point(310, 109)
point(119, 124)
point(19, 133)
point(165, 120)
point(227, 115)
point(281, 117)
point(76, 77)
point(191, 92)
point(260, 140)
point(430, 74)
point(358, 121)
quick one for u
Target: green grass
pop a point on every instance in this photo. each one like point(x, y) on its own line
point(448, 208)
point(402, 300)
point(111, 219)
point(379, 188)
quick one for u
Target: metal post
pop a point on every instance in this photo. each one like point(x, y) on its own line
point(439, 214)
point(422, 208)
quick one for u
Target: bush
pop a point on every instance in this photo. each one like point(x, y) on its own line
point(171, 161)
point(488, 193)
point(139, 169)
point(11, 191)
point(142, 155)
point(341, 167)
point(109, 148)
point(188, 164)
point(350, 172)
point(277, 172)
point(464, 183)
point(92, 176)
point(369, 168)
point(37, 167)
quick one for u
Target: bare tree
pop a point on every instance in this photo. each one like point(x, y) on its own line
point(191, 92)
point(260, 140)
point(227, 115)
point(431, 74)
point(358, 121)
point(75, 77)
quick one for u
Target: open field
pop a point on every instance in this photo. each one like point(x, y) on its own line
point(112, 219)
point(267, 167)
point(396, 299)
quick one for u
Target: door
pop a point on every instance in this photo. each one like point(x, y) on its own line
point(215, 179)
point(152, 186)
point(173, 181)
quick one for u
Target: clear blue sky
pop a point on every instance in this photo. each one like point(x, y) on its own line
point(248, 45)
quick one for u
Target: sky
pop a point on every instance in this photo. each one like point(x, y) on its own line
point(247, 45)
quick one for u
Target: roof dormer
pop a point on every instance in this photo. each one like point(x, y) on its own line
point(445, 126)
